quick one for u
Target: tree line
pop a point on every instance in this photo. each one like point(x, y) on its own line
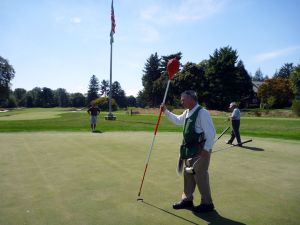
point(282, 90)
point(218, 80)
point(46, 97)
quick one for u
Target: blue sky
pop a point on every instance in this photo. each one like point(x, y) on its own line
point(62, 43)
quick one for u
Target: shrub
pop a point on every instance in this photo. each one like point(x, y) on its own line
point(12, 102)
point(103, 103)
point(296, 106)
point(271, 101)
point(257, 113)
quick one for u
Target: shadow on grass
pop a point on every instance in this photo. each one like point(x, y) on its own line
point(213, 218)
point(245, 147)
point(170, 213)
point(252, 148)
point(98, 131)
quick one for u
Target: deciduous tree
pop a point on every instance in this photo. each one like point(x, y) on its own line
point(7, 73)
point(276, 92)
point(295, 81)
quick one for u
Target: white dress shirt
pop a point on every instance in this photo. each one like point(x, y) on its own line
point(203, 123)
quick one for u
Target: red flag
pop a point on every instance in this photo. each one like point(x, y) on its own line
point(172, 67)
point(113, 22)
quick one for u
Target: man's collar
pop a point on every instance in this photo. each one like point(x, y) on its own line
point(193, 109)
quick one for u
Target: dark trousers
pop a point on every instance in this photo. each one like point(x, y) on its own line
point(235, 133)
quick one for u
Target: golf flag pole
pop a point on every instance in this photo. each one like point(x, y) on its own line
point(172, 68)
point(110, 116)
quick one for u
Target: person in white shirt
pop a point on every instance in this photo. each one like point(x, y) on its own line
point(195, 151)
point(235, 118)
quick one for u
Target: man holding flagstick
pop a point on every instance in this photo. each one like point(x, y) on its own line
point(195, 151)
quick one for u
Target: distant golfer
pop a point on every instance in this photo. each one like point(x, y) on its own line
point(198, 138)
point(93, 111)
point(235, 123)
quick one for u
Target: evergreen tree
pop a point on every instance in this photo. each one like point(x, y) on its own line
point(244, 90)
point(152, 72)
point(141, 100)
point(118, 94)
point(104, 88)
point(285, 71)
point(227, 79)
point(160, 84)
point(93, 89)
point(191, 77)
point(258, 76)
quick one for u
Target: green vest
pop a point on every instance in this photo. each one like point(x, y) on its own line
point(190, 141)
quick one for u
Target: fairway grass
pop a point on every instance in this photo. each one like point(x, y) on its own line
point(68, 120)
point(33, 114)
point(87, 178)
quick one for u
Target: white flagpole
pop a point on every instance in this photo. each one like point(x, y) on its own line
point(110, 116)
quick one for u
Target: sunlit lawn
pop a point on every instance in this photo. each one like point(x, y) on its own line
point(93, 178)
point(60, 119)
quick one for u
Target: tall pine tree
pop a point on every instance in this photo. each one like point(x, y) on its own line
point(227, 79)
point(152, 72)
point(93, 89)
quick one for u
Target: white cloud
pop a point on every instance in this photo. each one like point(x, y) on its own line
point(186, 10)
point(276, 53)
point(75, 20)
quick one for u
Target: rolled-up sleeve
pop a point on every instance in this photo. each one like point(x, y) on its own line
point(176, 119)
point(208, 129)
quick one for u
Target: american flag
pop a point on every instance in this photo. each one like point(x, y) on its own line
point(113, 22)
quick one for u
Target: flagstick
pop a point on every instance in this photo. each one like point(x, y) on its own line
point(151, 147)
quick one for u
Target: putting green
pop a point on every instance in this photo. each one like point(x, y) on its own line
point(93, 178)
point(34, 113)
point(32, 116)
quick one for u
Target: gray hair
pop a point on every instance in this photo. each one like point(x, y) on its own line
point(191, 94)
point(232, 104)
